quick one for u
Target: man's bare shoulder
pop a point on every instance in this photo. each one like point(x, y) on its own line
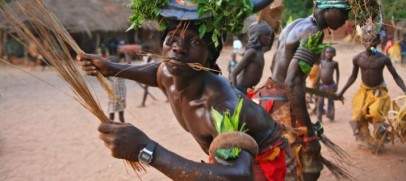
point(301, 30)
point(383, 57)
point(358, 56)
point(250, 53)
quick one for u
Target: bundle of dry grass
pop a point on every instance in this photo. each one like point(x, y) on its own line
point(54, 42)
point(397, 118)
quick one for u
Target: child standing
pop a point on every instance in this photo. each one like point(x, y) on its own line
point(232, 64)
point(327, 83)
point(117, 104)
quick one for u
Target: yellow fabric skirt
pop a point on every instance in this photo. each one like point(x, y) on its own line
point(371, 103)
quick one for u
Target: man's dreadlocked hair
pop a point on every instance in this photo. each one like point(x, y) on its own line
point(214, 50)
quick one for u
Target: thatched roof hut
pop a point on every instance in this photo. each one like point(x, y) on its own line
point(90, 15)
point(90, 22)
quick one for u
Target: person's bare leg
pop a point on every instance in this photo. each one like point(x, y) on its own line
point(111, 116)
point(121, 116)
point(144, 98)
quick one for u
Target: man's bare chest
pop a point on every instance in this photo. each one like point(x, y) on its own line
point(192, 114)
point(371, 63)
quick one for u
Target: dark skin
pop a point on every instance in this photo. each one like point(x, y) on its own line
point(249, 69)
point(191, 95)
point(286, 70)
point(328, 66)
point(372, 66)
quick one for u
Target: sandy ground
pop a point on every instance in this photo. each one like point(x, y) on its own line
point(46, 135)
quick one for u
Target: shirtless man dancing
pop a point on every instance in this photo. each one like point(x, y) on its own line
point(192, 94)
point(371, 103)
point(288, 81)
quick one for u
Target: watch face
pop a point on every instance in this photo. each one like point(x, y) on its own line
point(145, 157)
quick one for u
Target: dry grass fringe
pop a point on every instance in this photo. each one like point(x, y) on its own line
point(53, 42)
point(338, 154)
point(338, 171)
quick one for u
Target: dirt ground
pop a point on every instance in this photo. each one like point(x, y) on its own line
point(46, 135)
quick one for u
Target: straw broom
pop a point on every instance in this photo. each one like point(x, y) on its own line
point(53, 42)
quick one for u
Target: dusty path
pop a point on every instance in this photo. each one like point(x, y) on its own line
point(45, 135)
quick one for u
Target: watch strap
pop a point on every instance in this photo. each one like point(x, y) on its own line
point(151, 146)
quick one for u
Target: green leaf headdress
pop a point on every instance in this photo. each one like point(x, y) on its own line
point(229, 14)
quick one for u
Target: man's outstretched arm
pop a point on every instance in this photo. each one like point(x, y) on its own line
point(126, 141)
point(399, 81)
point(145, 74)
point(179, 168)
point(351, 79)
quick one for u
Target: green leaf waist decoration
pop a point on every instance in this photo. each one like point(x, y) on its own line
point(228, 123)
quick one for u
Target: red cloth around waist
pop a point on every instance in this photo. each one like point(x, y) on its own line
point(273, 170)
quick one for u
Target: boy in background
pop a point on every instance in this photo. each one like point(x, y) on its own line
point(327, 83)
point(232, 64)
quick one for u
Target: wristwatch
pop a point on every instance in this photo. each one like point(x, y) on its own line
point(146, 155)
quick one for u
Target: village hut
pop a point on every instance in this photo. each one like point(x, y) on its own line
point(93, 23)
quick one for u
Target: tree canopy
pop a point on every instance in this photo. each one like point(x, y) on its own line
point(395, 8)
point(296, 9)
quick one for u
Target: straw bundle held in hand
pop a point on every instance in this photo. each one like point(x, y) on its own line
point(34, 23)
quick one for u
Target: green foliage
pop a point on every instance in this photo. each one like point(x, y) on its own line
point(228, 16)
point(314, 43)
point(296, 9)
point(305, 67)
point(144, 10)
point(395, 8)
point(225, 123)
point(290, 20)
point(228, 154)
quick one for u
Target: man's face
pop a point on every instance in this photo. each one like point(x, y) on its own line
point(335, 18)
point(375, 42)
point(266, 40)
point(329, 54)
point(183, 47)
